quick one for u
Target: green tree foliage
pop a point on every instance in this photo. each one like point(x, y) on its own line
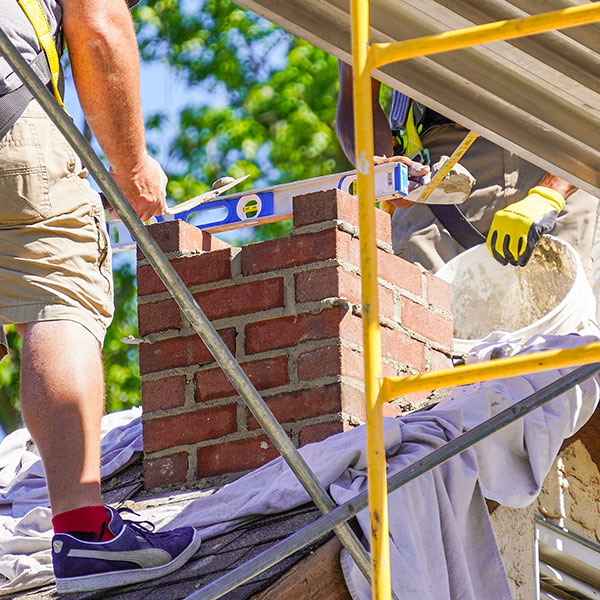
point(121, 367)
point(261, 103)
point(10, 410)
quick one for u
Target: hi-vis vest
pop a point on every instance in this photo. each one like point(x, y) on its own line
point(406, 116)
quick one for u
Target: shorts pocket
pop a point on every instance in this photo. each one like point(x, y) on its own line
point(24, 188)
point(104, 262)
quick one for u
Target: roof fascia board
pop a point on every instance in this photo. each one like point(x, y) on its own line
point(548, 118)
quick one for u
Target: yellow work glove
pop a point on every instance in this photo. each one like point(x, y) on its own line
point(517, 228)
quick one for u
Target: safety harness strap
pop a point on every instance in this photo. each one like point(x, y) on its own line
point(451, 217)
point(14, 103)
point(36, 15)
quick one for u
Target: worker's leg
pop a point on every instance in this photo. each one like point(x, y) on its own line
point(62, 397)
point(56, 281)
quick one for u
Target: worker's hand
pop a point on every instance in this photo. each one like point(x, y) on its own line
point(144, 185)
point(517, 228)
point(416, 173)
point(416, 170)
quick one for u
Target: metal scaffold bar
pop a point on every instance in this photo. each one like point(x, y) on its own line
point(344, 512)
point(183, 297)
point(385, 53)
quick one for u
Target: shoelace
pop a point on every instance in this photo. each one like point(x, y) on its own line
point(144, 528)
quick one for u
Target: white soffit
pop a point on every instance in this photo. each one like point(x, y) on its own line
point(537, 96)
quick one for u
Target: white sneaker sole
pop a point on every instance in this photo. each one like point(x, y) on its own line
point(101, 581)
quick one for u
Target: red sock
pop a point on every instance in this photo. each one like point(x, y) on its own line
point(89, 523)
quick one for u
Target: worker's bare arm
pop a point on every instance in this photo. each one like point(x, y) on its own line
point(558, 185)
point(104, 58)
point(345, 117)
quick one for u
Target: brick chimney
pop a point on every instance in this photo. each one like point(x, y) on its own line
point(289, 310)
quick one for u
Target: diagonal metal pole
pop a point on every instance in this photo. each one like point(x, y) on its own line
point(184, 299)
point(323, 525)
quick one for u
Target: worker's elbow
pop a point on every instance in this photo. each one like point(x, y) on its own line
point(345, 132)
point(96, 28)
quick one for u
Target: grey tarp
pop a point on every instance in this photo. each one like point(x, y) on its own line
point(442, 543)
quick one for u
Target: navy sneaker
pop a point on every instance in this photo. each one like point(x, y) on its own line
point(135, 554)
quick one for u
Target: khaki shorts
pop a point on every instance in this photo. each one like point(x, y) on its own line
point(55, 259)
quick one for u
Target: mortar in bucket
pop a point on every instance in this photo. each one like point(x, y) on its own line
point(550, 295)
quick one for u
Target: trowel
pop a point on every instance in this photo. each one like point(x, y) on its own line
point(218, 187)
point(444, 185)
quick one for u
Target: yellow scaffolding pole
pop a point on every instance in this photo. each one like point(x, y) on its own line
point(386, 53)
point(363, 119)
point(366, 58)
point(499, 368)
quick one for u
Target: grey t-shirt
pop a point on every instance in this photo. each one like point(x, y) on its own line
point(19, 30)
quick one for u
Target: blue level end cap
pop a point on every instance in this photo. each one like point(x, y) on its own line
point(401, 179)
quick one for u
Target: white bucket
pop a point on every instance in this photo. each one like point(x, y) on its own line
point(550, 295)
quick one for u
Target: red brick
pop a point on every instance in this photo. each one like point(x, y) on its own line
point(438, 292)
point(398, 272)
point(422, 320)
point(302, 249)
point(336, 282)
point(388, 370)
point(333, 204)
point(328, 282)
point(351, 329)
point(349, 249)
point(180, 352)
point(189, 428)
point(383, 226)
point(264, 374)
point(353, 402)
point(303, 404)
point(193, 270)
point(165, 470)
point(386, 303)
point(322, 362)
point(287, 332)
point(395, 345)
point(235, 456)
point(391, 410)
point(179, 236)
point(330, 361)
point(325, 205)
point(319, 431)
point(168, 392)
point(158, 316)
point(403, 349)
point(438, 361)
point(242, 299)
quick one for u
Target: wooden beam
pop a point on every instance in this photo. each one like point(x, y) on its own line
point(318, 577)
